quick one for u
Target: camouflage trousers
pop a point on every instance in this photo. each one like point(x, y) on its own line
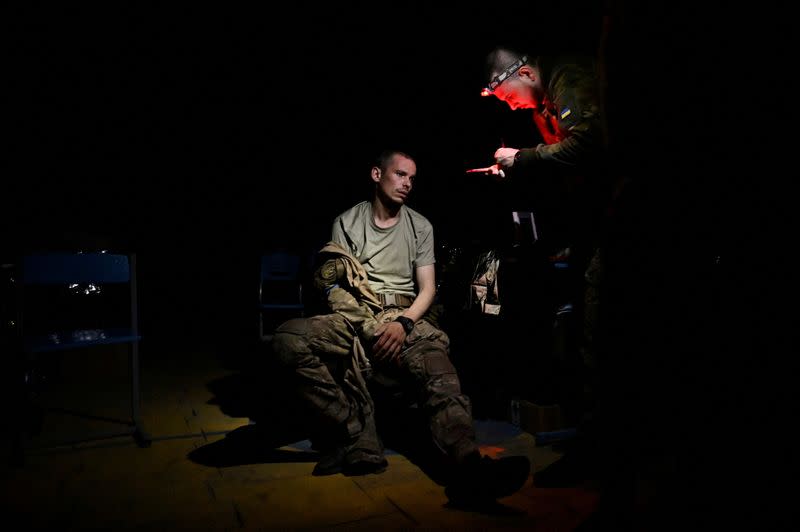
point(316, 350)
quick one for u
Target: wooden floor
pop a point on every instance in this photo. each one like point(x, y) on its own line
point(208, 468)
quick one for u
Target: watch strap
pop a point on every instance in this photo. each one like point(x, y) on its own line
point(407, 323)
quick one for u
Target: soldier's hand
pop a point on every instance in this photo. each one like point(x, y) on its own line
point(389, 340)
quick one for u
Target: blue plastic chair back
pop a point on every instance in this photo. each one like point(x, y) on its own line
point(79, 268)
point(63, 268)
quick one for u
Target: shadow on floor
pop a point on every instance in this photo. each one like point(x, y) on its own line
point(249, 445)
point(273, 423)
point(261, 396)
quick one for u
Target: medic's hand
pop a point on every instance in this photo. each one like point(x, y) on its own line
point(389, 340)
point(505, 156)
point(494, 170)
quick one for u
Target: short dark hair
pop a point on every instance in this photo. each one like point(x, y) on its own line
point(386, 155)
point(501, 57)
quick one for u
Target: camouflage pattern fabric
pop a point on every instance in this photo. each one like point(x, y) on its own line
point(328, 357)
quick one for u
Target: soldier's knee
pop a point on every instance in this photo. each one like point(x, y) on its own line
point(296, 326)
point(281, 349)
point(289, 342)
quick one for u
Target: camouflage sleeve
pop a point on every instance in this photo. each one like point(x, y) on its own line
point(327, 280)
point(571, 151)
point(578, 114)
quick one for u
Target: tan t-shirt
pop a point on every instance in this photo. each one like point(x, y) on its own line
point(389, 255)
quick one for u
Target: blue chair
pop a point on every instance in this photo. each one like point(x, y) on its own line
point(280, 290)
point(62, 332)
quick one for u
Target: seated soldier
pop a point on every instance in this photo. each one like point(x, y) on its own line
point(377, 275)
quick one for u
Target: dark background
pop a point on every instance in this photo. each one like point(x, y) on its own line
point(199, 137)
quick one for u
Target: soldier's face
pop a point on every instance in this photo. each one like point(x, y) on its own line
point(395, 183)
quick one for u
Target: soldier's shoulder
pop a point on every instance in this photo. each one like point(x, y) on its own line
point(419, 220)
point(354, 213)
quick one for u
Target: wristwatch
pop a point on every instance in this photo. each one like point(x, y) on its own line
point(517, 156)
point(407, 323)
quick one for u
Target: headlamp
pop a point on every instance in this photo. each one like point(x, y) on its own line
point(504, 75)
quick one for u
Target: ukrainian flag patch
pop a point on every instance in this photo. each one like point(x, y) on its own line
point(565, 112)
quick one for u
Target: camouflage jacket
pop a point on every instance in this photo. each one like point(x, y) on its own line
point(342, 281)
point(568, 118)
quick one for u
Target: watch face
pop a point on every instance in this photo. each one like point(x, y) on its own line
point(407, 324)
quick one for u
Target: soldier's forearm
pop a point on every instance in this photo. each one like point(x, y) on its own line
point(421, 304)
